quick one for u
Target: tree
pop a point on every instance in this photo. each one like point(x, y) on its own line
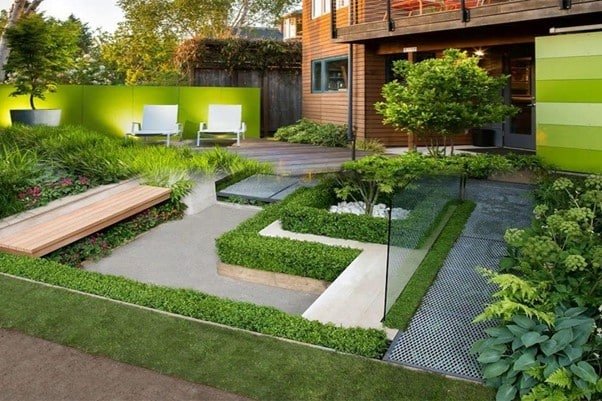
point(18, 10)
point(41, 49)
point(443, 97)
point(144, 45)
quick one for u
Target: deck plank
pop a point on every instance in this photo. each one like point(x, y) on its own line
point(51, 234)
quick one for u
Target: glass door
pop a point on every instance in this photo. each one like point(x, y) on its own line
point(520, 132)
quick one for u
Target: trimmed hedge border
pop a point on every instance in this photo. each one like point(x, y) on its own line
point(243, 246)
point(261, 319)
point(307, 213)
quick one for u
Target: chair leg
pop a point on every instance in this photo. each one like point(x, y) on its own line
point(168, 138)
point(238, 139)
point(198, 140)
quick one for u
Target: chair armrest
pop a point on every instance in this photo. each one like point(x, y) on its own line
point(202, 126)
point(134, 125)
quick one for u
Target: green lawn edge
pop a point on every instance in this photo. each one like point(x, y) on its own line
point(259, 367)
point(404, 308)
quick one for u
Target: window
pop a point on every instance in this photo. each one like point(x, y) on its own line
point(319, 7)
point(329, 75)
point(289, 29)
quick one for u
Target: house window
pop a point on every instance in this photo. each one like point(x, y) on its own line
point(320, 7)
point(329, 75)
point(289, 29)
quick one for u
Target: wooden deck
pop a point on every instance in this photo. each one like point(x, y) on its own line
point(293, 158)
point(42, 233)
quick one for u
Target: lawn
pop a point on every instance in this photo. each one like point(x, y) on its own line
point(255, 366)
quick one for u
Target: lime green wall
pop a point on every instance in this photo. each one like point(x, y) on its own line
point(569, 101)
point(113, 108)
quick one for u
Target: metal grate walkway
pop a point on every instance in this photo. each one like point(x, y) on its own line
point(441, 333)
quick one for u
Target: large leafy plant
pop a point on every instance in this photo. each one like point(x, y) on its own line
point(41, 50)
point(536, 361)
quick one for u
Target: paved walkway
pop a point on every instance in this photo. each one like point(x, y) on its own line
point(357, 297)
point(441, 333)
point(35, 369)
point(182, 254)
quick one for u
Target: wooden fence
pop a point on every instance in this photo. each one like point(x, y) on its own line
point(280, 92)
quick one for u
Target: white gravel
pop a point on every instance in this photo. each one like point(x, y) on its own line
point(379, 210)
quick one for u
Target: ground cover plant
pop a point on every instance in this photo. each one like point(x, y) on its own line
point(38, 162)
point(402, 311)
point(367, 342)
point(548, 340)
point(244, 246)
point(257, 367)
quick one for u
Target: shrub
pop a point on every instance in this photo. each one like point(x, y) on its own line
point(550, 288)
point(244, 246)
point(18, 168)
point(370, 145)
point(366, 342)
point(306, 131)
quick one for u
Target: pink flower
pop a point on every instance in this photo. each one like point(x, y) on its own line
point(65, 182)
point(83, 180)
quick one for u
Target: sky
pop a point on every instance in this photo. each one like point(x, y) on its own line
point(104, 14)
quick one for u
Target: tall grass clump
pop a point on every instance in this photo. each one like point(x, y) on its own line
point(17, 169)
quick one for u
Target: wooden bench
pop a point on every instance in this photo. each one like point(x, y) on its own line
point(53, 232)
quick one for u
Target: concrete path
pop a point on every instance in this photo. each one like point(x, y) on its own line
point(441, 332)
point(35, 369)
point(357, 297)
point(182, 254)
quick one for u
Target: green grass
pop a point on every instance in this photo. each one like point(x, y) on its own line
point(258, 367)
point(409, 300)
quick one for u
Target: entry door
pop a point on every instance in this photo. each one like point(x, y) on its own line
point(520, 130)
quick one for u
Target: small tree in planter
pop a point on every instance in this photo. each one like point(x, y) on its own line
point(443, 97)
point(41, 50)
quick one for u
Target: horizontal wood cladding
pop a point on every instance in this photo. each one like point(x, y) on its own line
point(495, 14)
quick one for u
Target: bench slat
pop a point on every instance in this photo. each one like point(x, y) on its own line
point(39, 240)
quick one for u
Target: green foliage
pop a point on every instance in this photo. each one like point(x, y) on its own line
point(366, 342)
point(402, 311)
point(103, 242)
point(536, 361)
point(245, 247)
point(308, 212)
point(307, 131)
point(41, 49)
point(540, 351)
point(18, 168)
point(370, 145)
point(443, 97)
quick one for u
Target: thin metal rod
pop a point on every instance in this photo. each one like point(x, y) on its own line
point(350, 130)
point(390, 213)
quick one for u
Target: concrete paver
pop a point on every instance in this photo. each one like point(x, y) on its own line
point(182, 254)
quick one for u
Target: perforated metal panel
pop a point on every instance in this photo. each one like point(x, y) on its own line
point(441, 332)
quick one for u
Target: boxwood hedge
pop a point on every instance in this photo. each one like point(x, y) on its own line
point(244, 246)
point(266, 320)
point(308, 213)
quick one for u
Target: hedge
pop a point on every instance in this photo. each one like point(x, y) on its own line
point(371, 343)
point(244, 246)
point(307, 213)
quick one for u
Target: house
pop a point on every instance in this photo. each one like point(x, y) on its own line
point(291, 26)
point(374, 33)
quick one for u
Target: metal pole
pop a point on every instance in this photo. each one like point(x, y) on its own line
point(465, 11)
point(389, 212)
point(350, 131)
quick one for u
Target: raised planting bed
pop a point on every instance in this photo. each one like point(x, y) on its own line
point(426, 199)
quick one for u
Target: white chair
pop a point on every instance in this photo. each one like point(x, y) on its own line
point(223, 119)
point(158, 120)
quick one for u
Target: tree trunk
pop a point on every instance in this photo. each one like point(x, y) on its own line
point(18, 9)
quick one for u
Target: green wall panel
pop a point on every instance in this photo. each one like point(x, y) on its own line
point(577, 160)
point(112, 109)
point(569, 68)
point(586, 114)
point(570, 91)
point(108, 108)
point(567, 136)
point(581, 44)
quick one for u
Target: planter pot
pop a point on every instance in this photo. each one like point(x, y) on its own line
point(483, 137)
point(50, 117)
